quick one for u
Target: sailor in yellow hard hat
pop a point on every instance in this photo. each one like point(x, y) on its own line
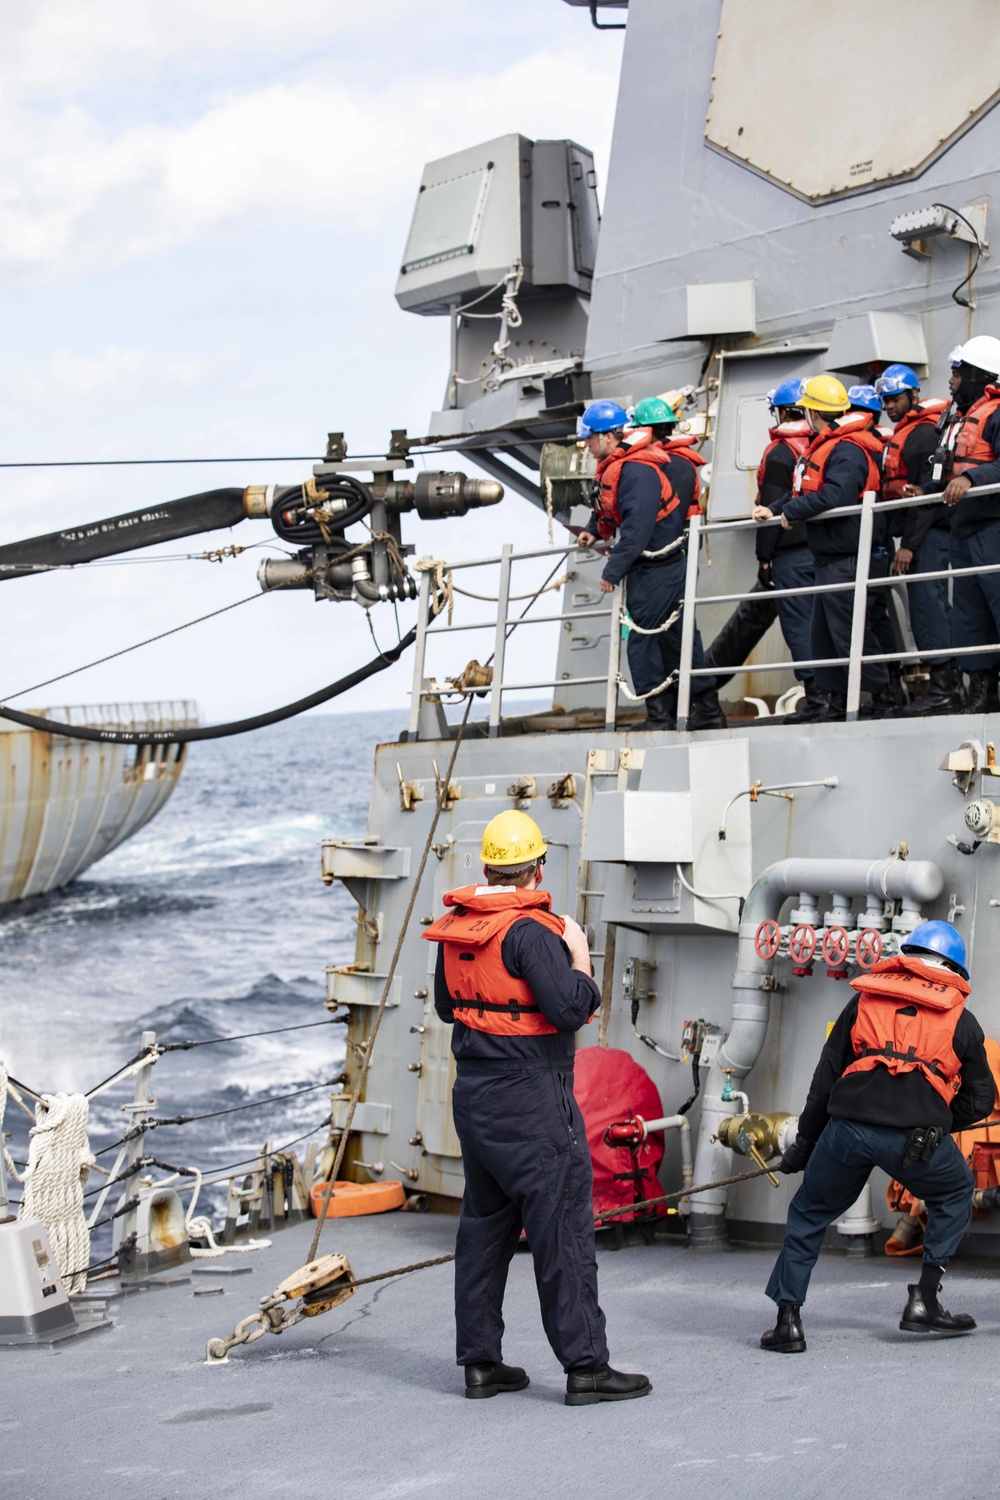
point(515, 981)
point(840, 464)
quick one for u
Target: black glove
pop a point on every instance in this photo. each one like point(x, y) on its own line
point(796, 1156)
point(764, 575)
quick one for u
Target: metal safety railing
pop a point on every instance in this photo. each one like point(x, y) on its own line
point(856, 660)
point(502, 624)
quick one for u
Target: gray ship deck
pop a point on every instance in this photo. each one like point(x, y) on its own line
point(364, 1403)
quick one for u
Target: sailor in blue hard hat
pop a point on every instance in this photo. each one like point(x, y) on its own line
point(646, 491)
point(903, 1067)
point(864, 400)
point(784, 560)
point(923, 533)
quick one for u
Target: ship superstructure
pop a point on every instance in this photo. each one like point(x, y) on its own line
point(733, 264)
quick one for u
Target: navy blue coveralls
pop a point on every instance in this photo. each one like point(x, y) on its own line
point(787, 558)
point(975, 543)
point(926, 532)
point(526, 1160)
point(864, 1121)
point(655, 585)
point(834, 546)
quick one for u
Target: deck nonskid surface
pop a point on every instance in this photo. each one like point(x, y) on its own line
point(365, 1403)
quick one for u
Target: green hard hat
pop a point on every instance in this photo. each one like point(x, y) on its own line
point(652, 412)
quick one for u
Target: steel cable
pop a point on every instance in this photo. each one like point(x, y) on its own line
point(214, 1114)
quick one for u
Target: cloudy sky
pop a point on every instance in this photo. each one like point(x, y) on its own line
point(202, 208)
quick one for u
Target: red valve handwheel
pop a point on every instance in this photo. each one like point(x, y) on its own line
point(869, 947)
point(836, 946)
point(767, 939)
point(802, 943)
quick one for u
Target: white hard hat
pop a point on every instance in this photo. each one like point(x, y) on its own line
point(983, 352)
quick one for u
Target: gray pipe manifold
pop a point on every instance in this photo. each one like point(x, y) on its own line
point(914, 883)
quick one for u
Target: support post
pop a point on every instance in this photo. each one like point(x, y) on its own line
point(451, 395)
point(614, 659)
point(607, 983)
point(123, 1243)
point(500, 641)
point(420, 652)
point(854, 667)
point(688, 622)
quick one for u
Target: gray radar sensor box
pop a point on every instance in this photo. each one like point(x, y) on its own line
point(483, 210)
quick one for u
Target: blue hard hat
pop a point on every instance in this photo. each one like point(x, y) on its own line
point(785, 394)
point(895, 379)
point(601, 416)
point(865, 397)
point(941, 939)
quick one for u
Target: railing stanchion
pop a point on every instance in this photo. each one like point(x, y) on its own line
point(123, 1244)
point(420, 652)
point(854, 667)
point(500, 643)
point(614, 658)
point(688, 622)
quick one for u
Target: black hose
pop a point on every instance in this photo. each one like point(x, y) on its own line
point(216, 731)
point(164, 522)
point(304, 531)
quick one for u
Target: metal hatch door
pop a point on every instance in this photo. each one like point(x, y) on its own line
point(743, 422)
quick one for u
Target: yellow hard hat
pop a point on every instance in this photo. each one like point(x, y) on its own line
point(823, 393)
point(512, 838)
point(675, 400)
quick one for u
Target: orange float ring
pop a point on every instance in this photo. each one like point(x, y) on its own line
point(350, 1199)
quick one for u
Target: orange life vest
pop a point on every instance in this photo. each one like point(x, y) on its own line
point(884, 1036)
point(971, 448)
point(853, 428)
point(484, 995)
point(794, 435)
point(641, 449)
point(894, 475)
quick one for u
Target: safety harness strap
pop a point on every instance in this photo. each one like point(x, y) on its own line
point(514, 1008)
point(889, 1053)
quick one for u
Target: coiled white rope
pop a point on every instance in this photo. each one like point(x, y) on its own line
point(200, 1228)
point(59, 1163)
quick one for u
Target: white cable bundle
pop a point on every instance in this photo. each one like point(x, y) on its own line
point(59, 1162)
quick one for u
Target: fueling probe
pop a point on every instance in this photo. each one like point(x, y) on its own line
point(314, 515)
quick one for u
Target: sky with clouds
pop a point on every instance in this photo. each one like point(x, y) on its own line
point(202, 208)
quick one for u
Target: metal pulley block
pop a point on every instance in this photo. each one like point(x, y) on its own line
point(316, 1288)
point(320, 1284)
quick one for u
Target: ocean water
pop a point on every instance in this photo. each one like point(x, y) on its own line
point(212, 921)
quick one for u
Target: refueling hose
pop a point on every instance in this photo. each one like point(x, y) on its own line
point(215, 731)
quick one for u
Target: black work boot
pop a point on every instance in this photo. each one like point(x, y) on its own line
point(706, 712)
point(883, 705)
point(981, 694)
point(836, 708)
point(786, 1337)
point(943, 696)
point(661, 710)
point(810, 709)
point(493, 1380)
point(924, 1314)
point(602, 1383)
